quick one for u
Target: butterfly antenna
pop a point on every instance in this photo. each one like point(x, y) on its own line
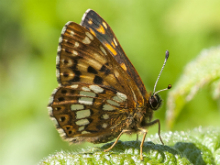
point(169, 86)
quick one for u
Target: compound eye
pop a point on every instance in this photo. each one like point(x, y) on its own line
point(155, 102)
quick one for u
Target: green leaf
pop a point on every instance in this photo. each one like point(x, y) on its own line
point(199, 146)
point(202, 71)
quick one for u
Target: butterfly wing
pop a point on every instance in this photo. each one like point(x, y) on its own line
point(90, 113)
point(99, 28)
point(82, 58)
point(85, 65)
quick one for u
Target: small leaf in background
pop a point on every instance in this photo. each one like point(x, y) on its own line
point(202, 71)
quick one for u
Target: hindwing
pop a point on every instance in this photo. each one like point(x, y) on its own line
point(93, 113)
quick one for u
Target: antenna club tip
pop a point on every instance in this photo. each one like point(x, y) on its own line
point(167, 54)
point(169, 86)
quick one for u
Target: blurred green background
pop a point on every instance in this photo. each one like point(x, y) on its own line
point(29, 32)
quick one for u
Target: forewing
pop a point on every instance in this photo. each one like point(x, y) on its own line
point(99, 28)
point(82, 58)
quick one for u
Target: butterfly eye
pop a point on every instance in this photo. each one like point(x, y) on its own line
point(155, 101)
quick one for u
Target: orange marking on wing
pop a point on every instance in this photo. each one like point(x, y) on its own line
point(123, 66)
point(92, 31)
point(101, 29)
point(90, 22)
point(111, 49)
point(113, 44)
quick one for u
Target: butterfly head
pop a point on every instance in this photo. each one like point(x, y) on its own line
point(155, 100)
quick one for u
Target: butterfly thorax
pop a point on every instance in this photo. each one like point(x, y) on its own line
point(139, 118)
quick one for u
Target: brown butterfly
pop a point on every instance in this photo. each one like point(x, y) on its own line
point(100, 94)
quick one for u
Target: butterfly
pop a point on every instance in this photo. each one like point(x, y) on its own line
point(100, 94)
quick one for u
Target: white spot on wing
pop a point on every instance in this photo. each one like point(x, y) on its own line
point(57, 59)
point(107, 107)
point(74, 86)
point(86, 89)
point(86, 100)
point(57, 73)
point(81, 128)
point(96, 88)
point(75, 53)
point(105, 116)
point(82, 122)
point(86, 40)
point(72, 33)
point(60, 39)
point(90, 35)
point(63, 135)
point(104, 24)
point(58, 48)
point(52, 96)
point(104, 125)
point(50, 109)
point(91, 94)
point(115, 42)
point(116, 98)
point(83, 114)
point(64, 29)
point(76, 107)
point(85, 132)
point(116, 73)
point(121, 96)
point(113, 103)
point(103, 50)
point(51, 100)
point(76, 44)
point(61, 132)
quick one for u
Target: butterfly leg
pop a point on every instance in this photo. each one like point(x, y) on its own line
point(145, 133)
point(154, 122)
point(141, 146)
point(116, 140)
